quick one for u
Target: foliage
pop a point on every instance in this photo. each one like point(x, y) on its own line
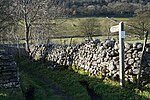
point(122, 8)
point(7, 94)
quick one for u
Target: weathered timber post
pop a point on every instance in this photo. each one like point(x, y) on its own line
point(121, 53)
point(120, 28)
point(142, 58)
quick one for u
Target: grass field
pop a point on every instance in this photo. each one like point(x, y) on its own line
point(70, 26)
point(79, 40)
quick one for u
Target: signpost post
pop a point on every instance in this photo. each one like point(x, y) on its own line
point(121, 52)
point(120, 28)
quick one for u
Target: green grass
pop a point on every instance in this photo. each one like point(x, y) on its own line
point(107, 88)
point(31, 77)
point(69, 85)
point(69, 82)
point(70, 26)
point(11, 94)
point(133, 41)
point(42, 92)
point(28, 78)
point(79, 40)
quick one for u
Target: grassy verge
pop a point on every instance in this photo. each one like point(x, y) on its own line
point(30, 77)
point(41, 91)
point(69, 82)
point(11, 94)
point(76, 91)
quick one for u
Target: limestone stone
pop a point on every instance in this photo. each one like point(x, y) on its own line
point(9, 73)
point(97, 57)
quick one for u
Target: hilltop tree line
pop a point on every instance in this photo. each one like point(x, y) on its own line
point(122, 8)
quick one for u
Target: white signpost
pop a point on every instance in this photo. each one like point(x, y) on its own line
point(120, 28)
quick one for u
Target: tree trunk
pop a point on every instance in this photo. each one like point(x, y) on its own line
point(27, 30)
point(18, 46)
point(27, 38)
point(90, 36)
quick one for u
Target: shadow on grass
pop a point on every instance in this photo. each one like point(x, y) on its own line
point(69, 82)
point(8, 94)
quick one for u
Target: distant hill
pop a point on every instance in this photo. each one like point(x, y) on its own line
point(120, 8)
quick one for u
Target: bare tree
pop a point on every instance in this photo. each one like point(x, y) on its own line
point(6, 17)
point(141, 23)
point(88, 27)
point(31, 12)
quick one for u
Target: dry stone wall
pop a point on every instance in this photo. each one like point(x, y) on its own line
point(97, 57)
point(13, 50)
point(9, 73)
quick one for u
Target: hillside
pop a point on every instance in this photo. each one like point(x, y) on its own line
point(119, 8)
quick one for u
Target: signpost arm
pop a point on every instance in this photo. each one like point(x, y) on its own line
point(121, 52)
